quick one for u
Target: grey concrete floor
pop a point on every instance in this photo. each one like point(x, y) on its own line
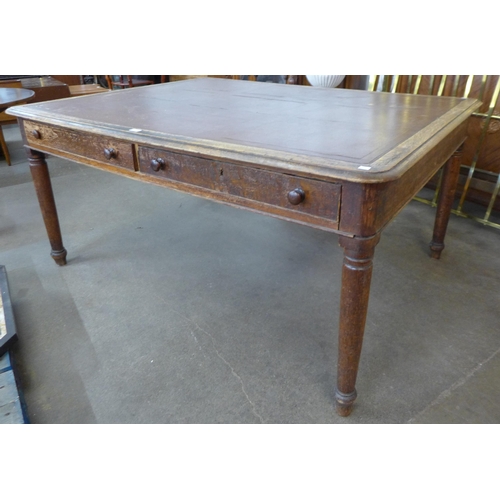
point(174, 309)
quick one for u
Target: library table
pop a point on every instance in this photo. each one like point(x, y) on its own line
point(345, 161)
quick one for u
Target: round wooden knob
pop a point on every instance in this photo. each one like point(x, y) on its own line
point(157, 164)
point(296, 196)
point(110, 153)
point(36, 134)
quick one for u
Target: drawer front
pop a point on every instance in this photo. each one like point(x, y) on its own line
point(285, 192)
point(95, 147)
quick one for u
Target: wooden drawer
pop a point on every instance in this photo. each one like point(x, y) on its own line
point(233, 182)
point(102, 149)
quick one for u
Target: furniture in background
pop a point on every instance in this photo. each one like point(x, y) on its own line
point(290, 79)
point(127, 81)
point(267, 154)
point(85, 89)
point(10, 94)
point(46, 88)
point(70, 79)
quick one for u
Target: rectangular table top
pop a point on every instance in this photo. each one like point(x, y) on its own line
point(335, 133)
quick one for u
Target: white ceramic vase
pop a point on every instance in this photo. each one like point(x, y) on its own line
point(325, 80)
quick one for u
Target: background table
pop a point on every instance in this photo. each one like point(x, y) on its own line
point(11, 96)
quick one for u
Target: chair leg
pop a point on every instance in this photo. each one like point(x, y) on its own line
point(5, 149)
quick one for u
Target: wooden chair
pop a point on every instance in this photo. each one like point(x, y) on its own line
point(125, 81)
point(6, 119)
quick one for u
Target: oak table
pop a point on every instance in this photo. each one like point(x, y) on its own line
point(345, 161)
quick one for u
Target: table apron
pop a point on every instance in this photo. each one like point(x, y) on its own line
point(368, 208)
point(86, 146)
point(245, 186)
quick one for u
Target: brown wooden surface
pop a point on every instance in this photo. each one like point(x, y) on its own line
point(89, 88)
point(46, 88)
point(69, 79)
point(288, 151)
point(14, 83)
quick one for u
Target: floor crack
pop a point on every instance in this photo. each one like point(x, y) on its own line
point(254, 410)
point(448, 392)
point(219, 355)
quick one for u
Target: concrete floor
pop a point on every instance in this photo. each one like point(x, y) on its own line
point(174, 309)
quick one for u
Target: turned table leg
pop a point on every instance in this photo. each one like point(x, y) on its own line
point(356, 278)
point(43, 187)
point(445, 202)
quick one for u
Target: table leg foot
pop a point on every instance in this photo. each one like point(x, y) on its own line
point(356, 279)
point(43, 188)
point(59, 256)
point(436, 249)
point(344, 402)
point(445, 202)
